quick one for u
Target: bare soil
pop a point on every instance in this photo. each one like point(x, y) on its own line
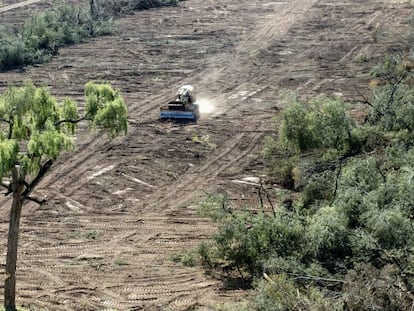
point(118, 210)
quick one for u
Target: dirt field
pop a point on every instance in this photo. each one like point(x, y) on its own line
point(117, 211)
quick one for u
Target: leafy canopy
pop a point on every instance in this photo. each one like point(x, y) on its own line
point(35, 127)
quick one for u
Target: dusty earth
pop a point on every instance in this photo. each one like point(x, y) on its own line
point(118, 210)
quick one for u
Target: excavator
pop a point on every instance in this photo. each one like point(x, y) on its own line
point(183, 108)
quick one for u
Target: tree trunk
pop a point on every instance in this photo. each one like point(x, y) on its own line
point(10, 281)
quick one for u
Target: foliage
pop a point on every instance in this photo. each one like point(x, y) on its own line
point(327, 234)
point(246, 240)
point(214, 206)
point(106, 108)
point(32, 115)
point(43, 34)
point(322, 125)
point(13, 51)
point(318, 188)
point(280, 163)
point(186, 258)
point(204, 140)
point(361, 57)
point(392, 100)
point(280, 293)
point(348, 240)
point(370, 288)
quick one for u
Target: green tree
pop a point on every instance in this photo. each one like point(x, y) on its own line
point(321, 124)
point(34, 130)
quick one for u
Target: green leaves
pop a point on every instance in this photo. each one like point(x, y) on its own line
point(39, 128)
point(298, 128)
point(70, 112)
point(106, 108)
point(8, 156)
point(322, 124)
point(246, 240)
point(327, 233)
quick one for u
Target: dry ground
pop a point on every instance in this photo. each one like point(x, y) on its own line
point(117, 211)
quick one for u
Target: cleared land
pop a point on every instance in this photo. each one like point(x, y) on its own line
point(118, 210)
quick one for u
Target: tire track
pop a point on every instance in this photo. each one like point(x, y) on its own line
point(18, 5)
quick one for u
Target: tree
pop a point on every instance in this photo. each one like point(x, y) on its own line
point(34, 130)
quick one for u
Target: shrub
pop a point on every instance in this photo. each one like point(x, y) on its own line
point(13, 51)
point(204, 254)
point(366, 138)
point(361, 57)
point(323, 124)
point(354, 216)
point(368, 288)
point(185, 258)
point(319, 189)
point(298, 128)
point(280, 293)
point(143, 4)
point(358, 178)
point(245, 240)
point(214, 207)
point(327, 234)
point(390, 227)
point(392, 105)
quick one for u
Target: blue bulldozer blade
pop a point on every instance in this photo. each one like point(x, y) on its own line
point(178, 111)
point(178, 115)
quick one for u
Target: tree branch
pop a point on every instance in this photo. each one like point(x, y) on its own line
point(37, 179)
point(36, 200)
point(314, 278)
point(5, 120)
point(338, 174)
point(271, 203)
point(11, 123)
point(393, 91)
point(5, 186)
point(260, 198)
point(364, 98)
point(8, 188)
point(72, 121)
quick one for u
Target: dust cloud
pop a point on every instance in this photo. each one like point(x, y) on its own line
point(206, 106)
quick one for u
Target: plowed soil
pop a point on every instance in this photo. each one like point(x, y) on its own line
point(118, 210)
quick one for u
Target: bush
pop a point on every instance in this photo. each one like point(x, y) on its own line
point(323, 124)
point(13, 51)
point(214, 207)
point(366, 138)
point(319, 189)
point(245, 240)
point(390, 227)
point(358, 178)
point(392, 105)
point(280, 293)
point(187, 259)
point(368, 288)
point(327, 234)
point(298, 128)
point(204, 254)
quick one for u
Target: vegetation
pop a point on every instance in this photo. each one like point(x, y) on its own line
point(45, 33)
point(34, 130)
point(348, 241)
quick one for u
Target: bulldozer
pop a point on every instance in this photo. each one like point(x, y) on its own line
point(183, 108)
